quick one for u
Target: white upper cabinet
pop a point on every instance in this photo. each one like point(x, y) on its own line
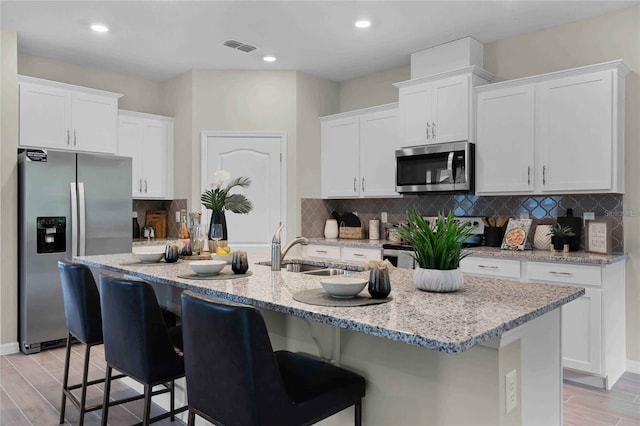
point(438, 108)
point(358, 153)
point(551, 134)
point(148, 140)
point(66, 117)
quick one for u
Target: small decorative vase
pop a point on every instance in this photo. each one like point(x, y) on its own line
point(379, 283)
point(439, 281)
point(542, 237)
point(559, 242)
point(331, 229)
point(239, 262)
point(217, 216)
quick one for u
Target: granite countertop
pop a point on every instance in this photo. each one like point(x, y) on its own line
point(448, 322)
point(528, 255)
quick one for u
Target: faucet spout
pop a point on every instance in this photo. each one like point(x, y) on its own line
point(276, 253)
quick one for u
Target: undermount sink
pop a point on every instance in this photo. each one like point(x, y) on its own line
point(303, 267)
point(309, 269)
point(328, 272)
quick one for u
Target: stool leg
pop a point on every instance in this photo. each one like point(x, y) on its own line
point(105, 401)
point(173, 401)
point(147, 405)
point(358, 409)
point(85, 374)
point(192, 418)
point(65, 379)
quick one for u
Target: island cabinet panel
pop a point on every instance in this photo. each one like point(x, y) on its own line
point(556, 133)
point(66, 117)
point(582, 332)
point(358, 153)
point(148, 140)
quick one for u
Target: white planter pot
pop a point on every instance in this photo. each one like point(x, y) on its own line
point(437, 280)
point(542, 237)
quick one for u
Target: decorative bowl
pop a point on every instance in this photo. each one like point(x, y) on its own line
point(207, 267)
point(226, 258)
point(150, 256)
point(343, 287)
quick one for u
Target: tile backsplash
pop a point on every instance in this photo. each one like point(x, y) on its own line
point(172, 206)
point(540, 208)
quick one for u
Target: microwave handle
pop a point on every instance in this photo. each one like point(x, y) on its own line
point(450, 166)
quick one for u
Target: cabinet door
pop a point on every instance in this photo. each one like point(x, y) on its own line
point(130, 131)
point(154, 158)
point(575, 133)
point(45, 117)
point(505, 141)
point(450, 104)
point(94, 121)
point(415, 115)
point(379, 138)
point(340, 157)
point(582, 332)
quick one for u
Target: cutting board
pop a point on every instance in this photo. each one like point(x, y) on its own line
point(157, 218)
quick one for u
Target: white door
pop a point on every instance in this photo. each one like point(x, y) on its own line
point(45, 117)
point(415, 115)
point(257, 157)
point(505, 141)
point(582, 331)
point(575, 133)
point(379, 139)
point(94, 121)
point(340, 157)
point(450, 100)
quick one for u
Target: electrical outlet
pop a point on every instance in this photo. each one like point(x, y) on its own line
point(383, 217)
point(177, 216)
point(511, 391)
point(589, 216)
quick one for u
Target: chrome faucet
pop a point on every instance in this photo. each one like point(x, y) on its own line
point(276, 254)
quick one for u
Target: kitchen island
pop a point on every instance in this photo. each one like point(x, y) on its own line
point(429, 359)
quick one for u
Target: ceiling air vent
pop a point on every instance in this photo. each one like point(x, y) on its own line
point(240, 46)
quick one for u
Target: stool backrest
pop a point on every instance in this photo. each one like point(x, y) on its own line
point(231, 372)
point(81, 301)
point(136, 340)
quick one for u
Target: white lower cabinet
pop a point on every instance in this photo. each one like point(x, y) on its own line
point(347, 254)
point(593, 326)
point(148, 140)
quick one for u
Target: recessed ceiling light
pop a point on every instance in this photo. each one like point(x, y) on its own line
point(269, 58)
point(363, 24)
point(99, 28)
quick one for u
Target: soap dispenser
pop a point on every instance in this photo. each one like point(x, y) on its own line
point(575, 223)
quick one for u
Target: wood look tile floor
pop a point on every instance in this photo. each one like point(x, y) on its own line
point(30, 389)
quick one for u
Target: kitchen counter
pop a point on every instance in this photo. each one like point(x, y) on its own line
point(423, 355)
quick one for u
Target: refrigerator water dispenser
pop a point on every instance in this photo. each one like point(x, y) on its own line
point(52, 232)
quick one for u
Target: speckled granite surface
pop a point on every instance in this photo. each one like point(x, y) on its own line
point(450, 322)
point(529, 255)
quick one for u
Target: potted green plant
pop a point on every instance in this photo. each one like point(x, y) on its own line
point(560, 235)
point(217, 199)
point(437, 250)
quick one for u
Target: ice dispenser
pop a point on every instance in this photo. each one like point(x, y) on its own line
point(52, 233)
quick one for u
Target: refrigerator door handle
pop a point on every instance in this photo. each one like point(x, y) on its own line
point(74, 220)
point(82, 220)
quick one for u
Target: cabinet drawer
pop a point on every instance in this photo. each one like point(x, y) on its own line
point(353, 254)
point(324, 252)
point(494, 267)
point(565, 273)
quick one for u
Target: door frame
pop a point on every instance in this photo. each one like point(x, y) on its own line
point(204, 137)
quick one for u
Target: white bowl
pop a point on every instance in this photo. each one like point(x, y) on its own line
point(207, 267)
point(149, 256)
point(343, 287)
point(225, 258)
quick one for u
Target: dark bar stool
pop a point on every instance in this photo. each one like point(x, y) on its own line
point(84, 322)
point(137, 341)
point(235, 378)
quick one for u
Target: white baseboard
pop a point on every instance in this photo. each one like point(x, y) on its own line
point(633, 366)
point(9, 348)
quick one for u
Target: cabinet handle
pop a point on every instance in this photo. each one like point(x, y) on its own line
point(529, 176)
point(145, 185)
point(488, 267)
point(433, 130)
point(363, 186)
point(562, 274)
point(428, 128)
point(544, 175)
point(74, 139)
point(355, 182)
point(358, 255)
point(321, 251)
point(68, 138)
point(139, 185)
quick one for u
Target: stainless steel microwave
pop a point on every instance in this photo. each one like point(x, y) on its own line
point(443, 167)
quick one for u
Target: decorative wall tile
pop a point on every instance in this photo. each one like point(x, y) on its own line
point(315, 212)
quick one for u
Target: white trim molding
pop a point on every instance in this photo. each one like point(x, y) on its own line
point(633, 366)
point(9, 348)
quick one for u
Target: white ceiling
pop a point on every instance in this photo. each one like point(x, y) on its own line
point(158, 40)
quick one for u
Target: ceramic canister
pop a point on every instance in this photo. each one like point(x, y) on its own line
point(374, 229)
point(331, 229)
point(542, 237)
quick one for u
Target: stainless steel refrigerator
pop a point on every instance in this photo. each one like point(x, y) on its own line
point(70, 204)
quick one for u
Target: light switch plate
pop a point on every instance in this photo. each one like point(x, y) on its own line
point(177, 216)
point(589, 216)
